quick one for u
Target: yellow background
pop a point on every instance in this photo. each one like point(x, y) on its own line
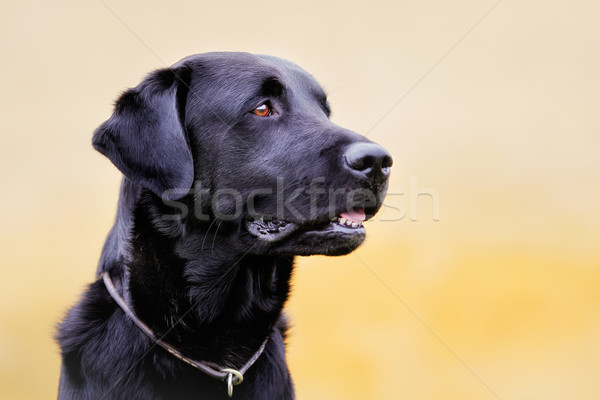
point(498, 299)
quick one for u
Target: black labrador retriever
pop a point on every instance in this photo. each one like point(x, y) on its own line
point(231, 168)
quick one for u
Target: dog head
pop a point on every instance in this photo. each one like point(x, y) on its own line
point(247, 139)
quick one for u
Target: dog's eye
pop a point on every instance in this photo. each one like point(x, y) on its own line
point(262, 111)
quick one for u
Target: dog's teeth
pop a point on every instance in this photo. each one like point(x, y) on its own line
point(342, 220)
point(355, 224)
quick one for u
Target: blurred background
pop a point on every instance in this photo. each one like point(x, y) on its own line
point(490, 111)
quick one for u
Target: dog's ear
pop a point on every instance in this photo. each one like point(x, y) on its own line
point(146, 138)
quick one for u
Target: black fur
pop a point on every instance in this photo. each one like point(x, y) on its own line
point(213, 286)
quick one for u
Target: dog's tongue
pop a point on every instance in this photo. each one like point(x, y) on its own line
point(357, 215)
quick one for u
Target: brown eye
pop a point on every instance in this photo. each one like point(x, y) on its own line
point(262, 111)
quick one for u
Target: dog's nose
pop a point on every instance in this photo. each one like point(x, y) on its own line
point(369, 159)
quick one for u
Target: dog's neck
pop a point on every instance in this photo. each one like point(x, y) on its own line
point(184, 280)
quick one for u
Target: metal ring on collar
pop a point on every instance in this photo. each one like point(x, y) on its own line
point(230, 381)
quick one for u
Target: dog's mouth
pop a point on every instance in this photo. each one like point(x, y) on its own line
point(338, 235)
point(272, 230)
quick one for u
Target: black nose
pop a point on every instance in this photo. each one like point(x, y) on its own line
point(369, 159)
